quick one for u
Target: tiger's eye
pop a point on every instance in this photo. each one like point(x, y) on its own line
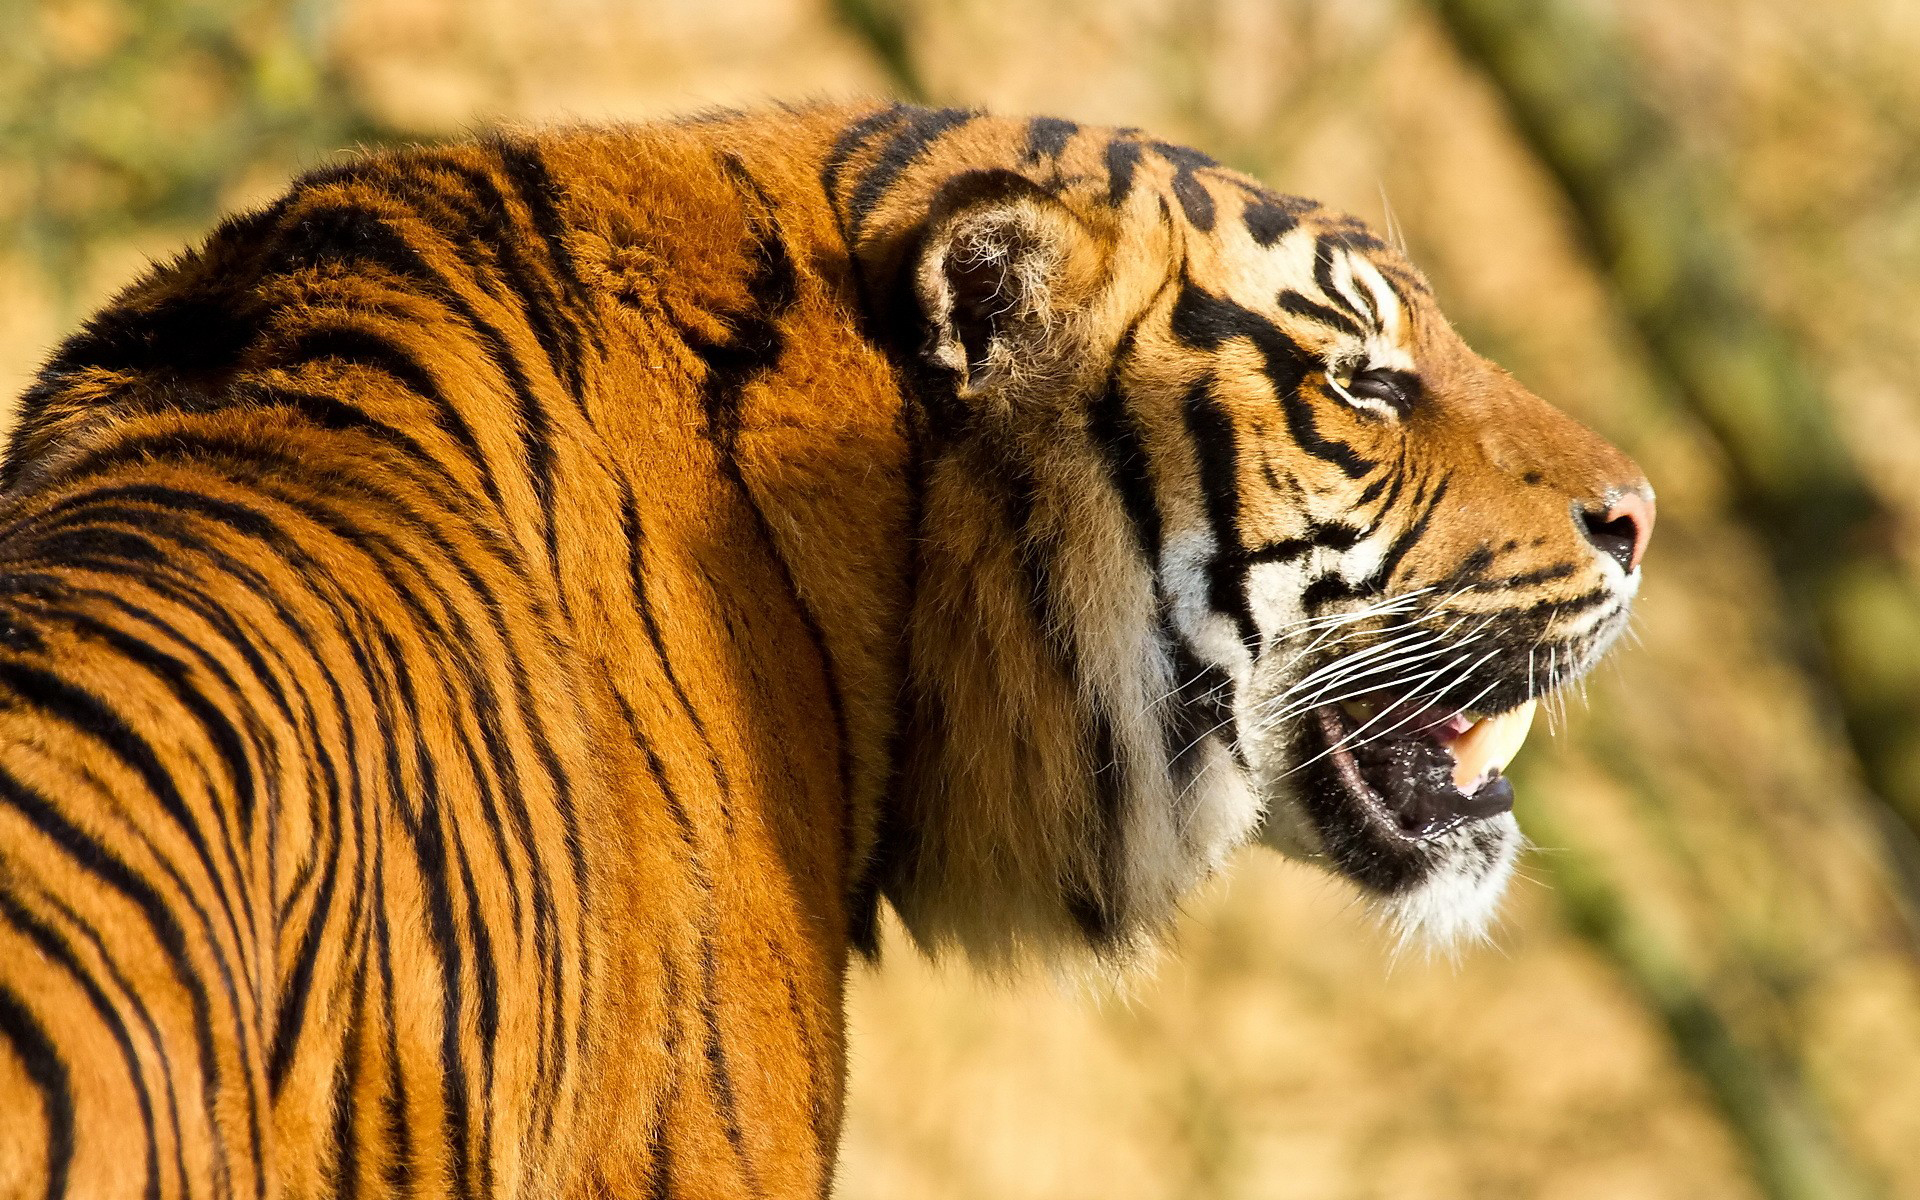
point(1398, 388)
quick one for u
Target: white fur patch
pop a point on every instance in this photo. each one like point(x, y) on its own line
point(1458, 901)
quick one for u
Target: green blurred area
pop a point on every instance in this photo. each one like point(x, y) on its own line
point(1697, 227)
point(114, 117)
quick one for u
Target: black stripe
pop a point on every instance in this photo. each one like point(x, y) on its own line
point(486, 990)
point(660, 1168)
point(354, 233)
point(1366, 299)
point(1330, 588)
point(1405, 541)
point(1530, 578)
point(1566, 606)
point(396, 1122)
point(159, 1047)
point(1394, 480)
point(635, 533)
point(1470, 571)
point(68, 703)
point(195, 329)
point(1297, 304)
point(218, 727)
point(1323, 274)
point(755, 342)
point(222, 628)
point(353, 346)
point(659, 1147)
point(297, 987)
point(363, 348)
point(1199, 708)
point(1270, 216)
point(1206, 321)
point(1047, 137)
point(1218, 457)
point(849, 143)
point(528, 170)
point(1195, 201)
point(1305, 430)
point(1123, 158)
point(1280, 550)
point(921, 129)
point(98, 861)
point(48, 1071)
point(1351, 233)
point(15, 636)
point(814, 1060)
point(1115, 431)
point(542, 295)
point(345, 416)
point(1335, 535)
point(344, 1095)
point(428, 841)
point(60, 953)
point(486, 785)
point(719, 1077)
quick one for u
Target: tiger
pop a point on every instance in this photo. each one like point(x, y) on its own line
point(486, 637)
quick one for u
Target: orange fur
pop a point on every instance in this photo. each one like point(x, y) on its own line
point(480, 636)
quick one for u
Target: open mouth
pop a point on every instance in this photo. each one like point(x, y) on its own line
point(1417, 772)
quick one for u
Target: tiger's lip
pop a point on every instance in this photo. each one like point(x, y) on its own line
point(1419, 772)
point(1482, 745)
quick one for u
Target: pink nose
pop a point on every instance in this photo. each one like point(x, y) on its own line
point(1623, 530)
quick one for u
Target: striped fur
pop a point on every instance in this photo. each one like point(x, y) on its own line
point(480, 637)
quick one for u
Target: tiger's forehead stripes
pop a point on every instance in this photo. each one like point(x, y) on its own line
point(1340, 305)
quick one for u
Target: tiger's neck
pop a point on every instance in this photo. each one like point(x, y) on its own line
point(759, 465)
point(985, 641)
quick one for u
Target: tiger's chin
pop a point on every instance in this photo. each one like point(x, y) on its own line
point(1412, 805)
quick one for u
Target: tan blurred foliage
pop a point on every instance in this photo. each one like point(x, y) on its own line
point(1708, 984)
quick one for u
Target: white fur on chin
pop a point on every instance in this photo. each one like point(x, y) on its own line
point(1459, 900)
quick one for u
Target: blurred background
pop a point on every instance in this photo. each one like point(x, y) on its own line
point(1696, 226)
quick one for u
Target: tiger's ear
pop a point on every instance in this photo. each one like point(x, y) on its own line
point(1005, 276)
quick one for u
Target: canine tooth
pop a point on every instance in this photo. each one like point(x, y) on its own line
point(1489, 746)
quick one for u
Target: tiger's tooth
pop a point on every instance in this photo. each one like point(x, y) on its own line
point(1489, 746)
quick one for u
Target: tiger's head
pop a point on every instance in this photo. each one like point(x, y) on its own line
point(1227, 534)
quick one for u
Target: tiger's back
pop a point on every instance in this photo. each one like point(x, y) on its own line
point(479, 637)
point(386, 811)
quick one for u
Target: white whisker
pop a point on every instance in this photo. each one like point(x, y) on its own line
point(1349, 742)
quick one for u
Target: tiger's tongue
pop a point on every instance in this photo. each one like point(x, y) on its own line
point(1489, 746)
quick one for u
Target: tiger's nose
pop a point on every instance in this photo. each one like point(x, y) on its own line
point(1622, 529)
